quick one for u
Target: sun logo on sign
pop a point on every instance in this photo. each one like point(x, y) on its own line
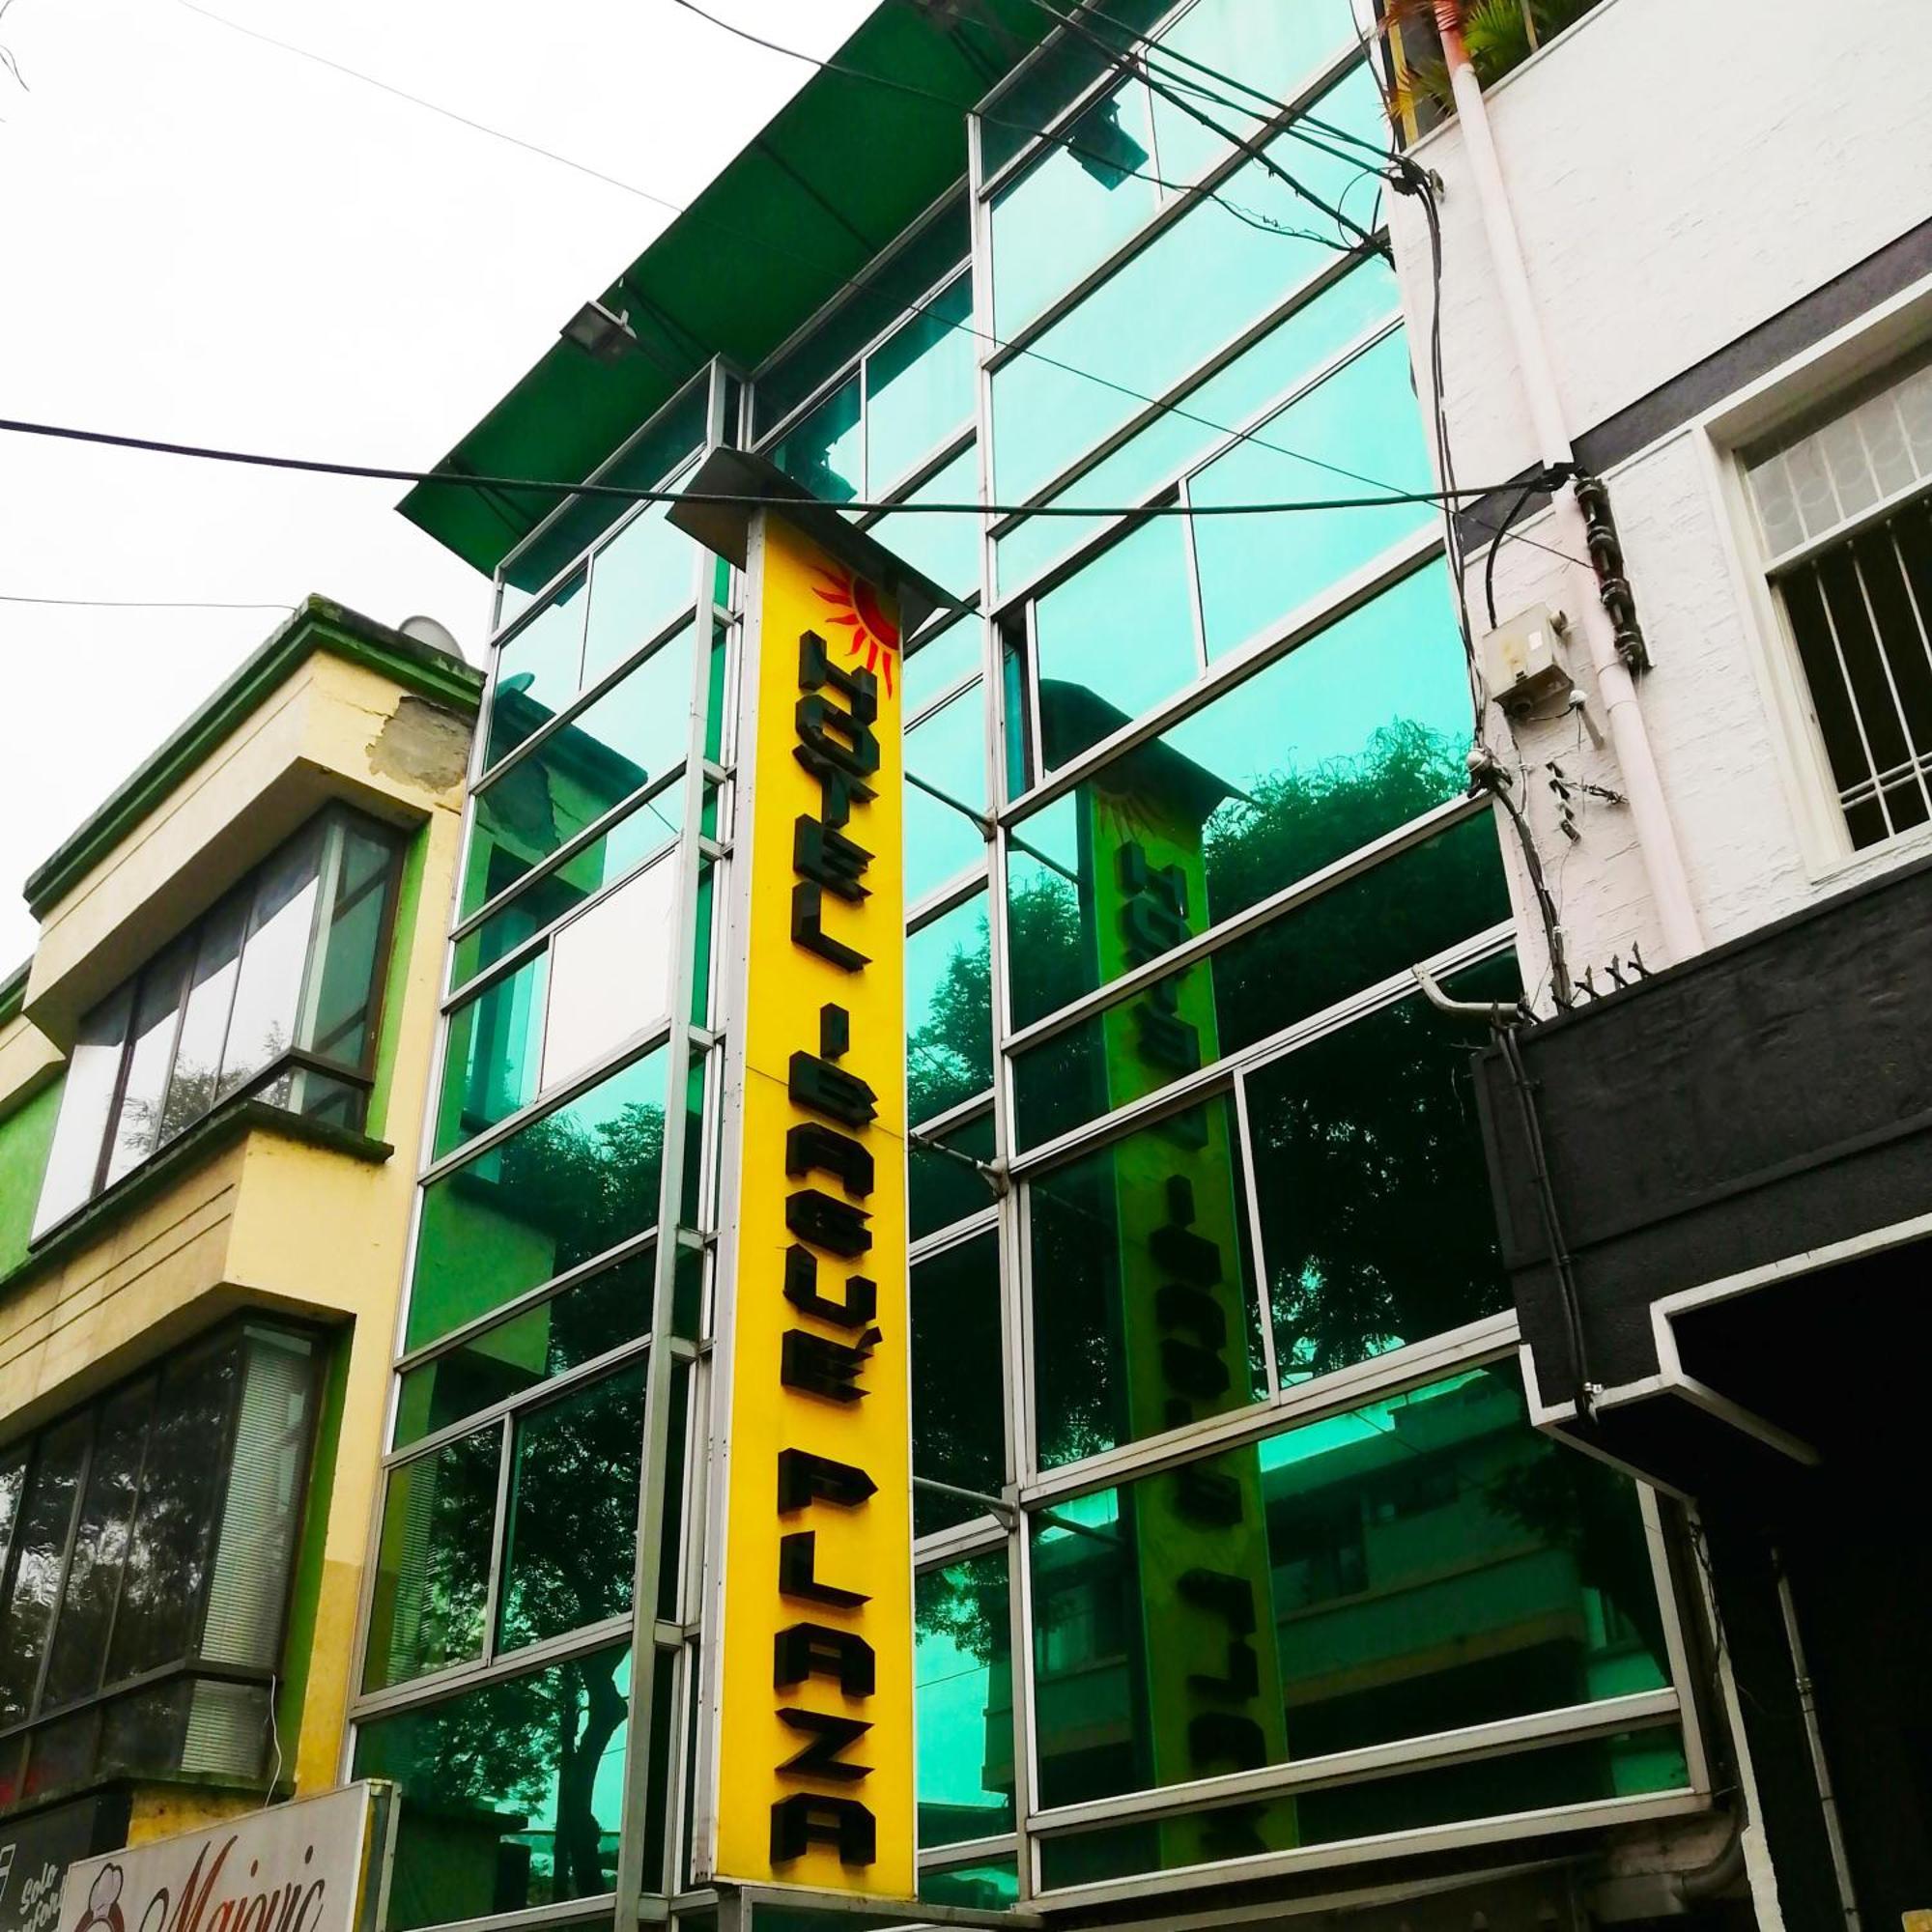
point(857, 608)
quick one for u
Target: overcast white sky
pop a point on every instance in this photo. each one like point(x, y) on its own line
point(207, 239)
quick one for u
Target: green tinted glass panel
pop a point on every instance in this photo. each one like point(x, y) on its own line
point(640, 580)
point(1409, 907)
point(942, 1190)
point(1073, 208)
point(944, 544)
point(1144, 1314)
point(511, 1793)
point(947, 749)
point(573, 1507)
point(700, 939)
point(717, 690)
point(949, 1012)
point(1345, 1550)
point(1058, 71)
point(1254, 570)
point(993, 1885)
point(645, 829)
point(940, 663)
point(494, 1056)
point(1356, 732)
point(630, 738)
point(568, 1185)
point(1274, 49)
point(918, 385)
point(432, 1563)
point(1365, 1253)
point(539, 670)
point(1114, 640)
point(826, 451)
point(1192, 290)
point(958, 1400)
point(1224, 401)
point(1627, 1765)
point(963, 1688)
point(583, 1322)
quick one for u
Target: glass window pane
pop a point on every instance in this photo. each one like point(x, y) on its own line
point(172, 1545)
point(938, 663)
point(1143, 1309)
point(343, 1001)
point(268, 994)
point(1114, 640)
point(1626, 1764)
point(203, 1029)
point(644, 829)
point(609, 972)
point(1224, 401)
point(1366, 1254)
point(511, 1793)
point(949, 1011)
point(1073, 208)
point(1342, 1552)
point(629, 738)
point(1409, 907)
point(151, 1047)
point(491, 1060)
point(963, 1688)
point(826, 453)
point(942, 1190)
point(1194, 288)
point(563, 1188)
point(993, 1885)
point(1274, 49)
point(640, 580)
point(538, 670)
point(13, 1479)
point(1356, 732)
point(948, 750)
point(1255, 570)
point(918, 385)
point(587, 1320)
point(573, 1530)
point(99, 1546)
point(958, 1391)
point(40, 1547)
point(93, 1070)
point(433, 1562)
point(943, 545)
point(1057, 72)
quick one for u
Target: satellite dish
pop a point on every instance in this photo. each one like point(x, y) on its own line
point(427, 631)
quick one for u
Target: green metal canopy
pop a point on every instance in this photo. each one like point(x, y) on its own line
point(839, 172)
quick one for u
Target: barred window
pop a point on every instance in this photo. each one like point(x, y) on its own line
point(1844, 508)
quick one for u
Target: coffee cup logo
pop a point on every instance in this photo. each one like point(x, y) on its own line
point(104, 1902)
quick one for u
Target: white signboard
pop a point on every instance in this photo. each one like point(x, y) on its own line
point(294, 1867)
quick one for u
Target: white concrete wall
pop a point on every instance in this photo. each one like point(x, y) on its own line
point(1681, 171)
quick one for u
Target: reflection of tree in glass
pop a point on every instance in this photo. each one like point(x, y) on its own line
point(586, 1187)
point(967, 1606)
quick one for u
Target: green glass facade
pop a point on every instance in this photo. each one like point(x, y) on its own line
point(1229, 1507)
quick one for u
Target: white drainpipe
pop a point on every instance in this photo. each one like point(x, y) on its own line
point(1650, 813)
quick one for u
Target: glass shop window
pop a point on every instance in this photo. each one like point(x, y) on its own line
point(273, 995)
point(963, 1685)
point(142, 1538)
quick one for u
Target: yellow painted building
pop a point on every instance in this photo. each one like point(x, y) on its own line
point(212, 1076)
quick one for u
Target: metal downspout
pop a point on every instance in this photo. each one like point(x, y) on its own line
point(1643, 788)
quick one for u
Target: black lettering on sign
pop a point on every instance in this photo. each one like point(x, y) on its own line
point(808, 930)
point(812, 1148)
point(828, 1222)
point(817, 1650)
point(805, 1479)
point(824, 855)
point(815, 1366)
point(798, 1574)
point(821, 1088)
point(829, 1737)
point(800, 1289)
point(806, 1819)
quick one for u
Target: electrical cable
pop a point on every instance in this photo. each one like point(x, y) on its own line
point(963, 108)
point(623, 493)
point(1540, 481)
point(1266, 162)
point(844, 284)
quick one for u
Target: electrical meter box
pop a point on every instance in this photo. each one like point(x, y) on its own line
point(1522, 663)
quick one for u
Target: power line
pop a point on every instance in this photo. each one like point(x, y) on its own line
point(847, 284)
point(140, 603)
point(623, 493)
point(965, 107)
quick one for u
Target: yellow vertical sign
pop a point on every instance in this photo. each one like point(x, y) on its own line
point(810, 1618)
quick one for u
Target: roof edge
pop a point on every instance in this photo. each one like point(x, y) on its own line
point(14, 991)
point(317, 624)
